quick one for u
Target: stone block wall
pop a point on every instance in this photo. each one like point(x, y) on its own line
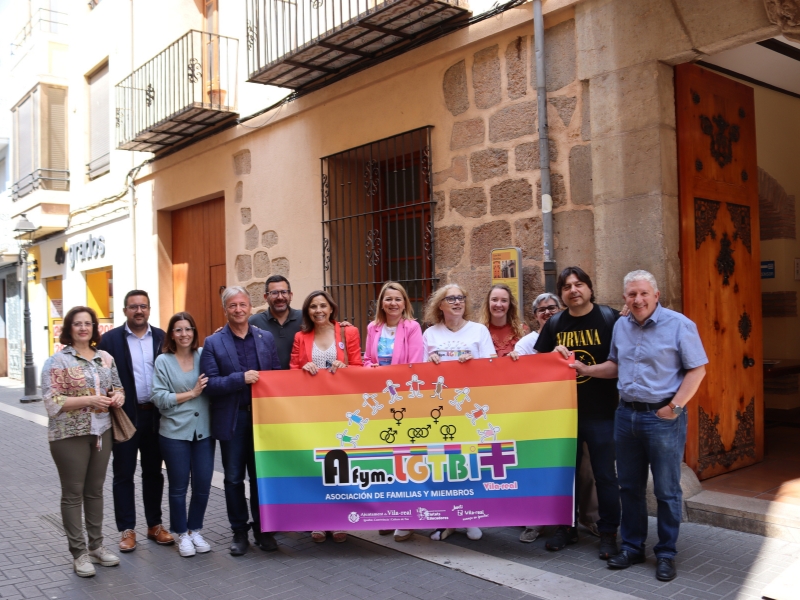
point(254, 264)
point(489, 195)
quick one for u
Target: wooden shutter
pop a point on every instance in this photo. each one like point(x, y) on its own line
point(54, 139)
point(24, 137)
point(99, 118)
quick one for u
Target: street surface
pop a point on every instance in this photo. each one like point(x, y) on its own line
point(35, 563)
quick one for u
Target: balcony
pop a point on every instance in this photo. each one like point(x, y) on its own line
point(43, 20)
point(44, 179)
point(300, 43)
point(187, 89)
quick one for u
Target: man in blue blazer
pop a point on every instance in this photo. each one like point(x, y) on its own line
point(231, 360)
point(135, 346)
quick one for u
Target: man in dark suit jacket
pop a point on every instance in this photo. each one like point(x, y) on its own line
point(135, 346)
point(231, 360)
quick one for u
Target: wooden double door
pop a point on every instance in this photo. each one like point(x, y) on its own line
point(720, 263)
point(198, 263)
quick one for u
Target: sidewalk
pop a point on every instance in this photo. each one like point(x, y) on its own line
point(34, 562)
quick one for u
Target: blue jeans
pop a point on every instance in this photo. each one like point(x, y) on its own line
point(599, 438)
point(184, 458)
point(646, 440)
point(238, 455)
point(145, 443)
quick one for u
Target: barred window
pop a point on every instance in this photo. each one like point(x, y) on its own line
point(377, 223)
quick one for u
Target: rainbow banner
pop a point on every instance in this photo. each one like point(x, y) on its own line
point(486, 443)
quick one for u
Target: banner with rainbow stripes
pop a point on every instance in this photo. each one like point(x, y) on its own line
point(485, 443)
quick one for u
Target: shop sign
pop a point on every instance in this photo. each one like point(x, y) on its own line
point(94, 247)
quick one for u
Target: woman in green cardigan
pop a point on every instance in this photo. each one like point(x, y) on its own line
point(185, 431)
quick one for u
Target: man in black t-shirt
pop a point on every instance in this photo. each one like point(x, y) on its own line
point(585, 329)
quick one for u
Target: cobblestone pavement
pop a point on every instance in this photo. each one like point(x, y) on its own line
point(34, 562)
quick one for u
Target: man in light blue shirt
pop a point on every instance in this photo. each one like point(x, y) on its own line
point(659, 360)
point(142, 360)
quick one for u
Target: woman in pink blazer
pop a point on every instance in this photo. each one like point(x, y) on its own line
point(394, 337)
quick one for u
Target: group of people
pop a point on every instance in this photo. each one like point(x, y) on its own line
point(634, 374)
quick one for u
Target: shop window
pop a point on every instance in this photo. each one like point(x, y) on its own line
point(99, 121)
point(55, 311)
point(377, 223)
point(40, 141)
point(100, 296)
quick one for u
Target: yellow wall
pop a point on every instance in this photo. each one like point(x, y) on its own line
point(777, 133)
point(97, 296)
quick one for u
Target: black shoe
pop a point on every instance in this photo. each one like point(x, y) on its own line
point(625, 559)
point(665, 569)
point(608, 545)
point(240, 543)
point(267, 542)
point(563, 537)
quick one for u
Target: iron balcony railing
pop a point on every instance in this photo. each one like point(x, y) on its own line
point(45, 179)
point(44, 19)
point(187, 88)
point(293, 43)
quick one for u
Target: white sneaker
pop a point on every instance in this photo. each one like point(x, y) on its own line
point(199, 543)
point(441, 534)
point(185, 545)
point(83, 566)
point(401, 535)
point(474, 533)
point(104, 557)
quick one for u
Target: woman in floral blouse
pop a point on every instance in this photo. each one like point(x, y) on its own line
point(79, 385)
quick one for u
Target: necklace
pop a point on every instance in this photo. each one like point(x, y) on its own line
point(460, 325)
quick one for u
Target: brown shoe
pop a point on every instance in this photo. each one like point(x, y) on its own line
point(160, 536)
point(128, 541)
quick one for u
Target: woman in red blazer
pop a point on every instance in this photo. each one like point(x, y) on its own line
point(394, 337)
point(319, 346)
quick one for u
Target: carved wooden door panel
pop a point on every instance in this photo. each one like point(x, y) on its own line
point(720, 263)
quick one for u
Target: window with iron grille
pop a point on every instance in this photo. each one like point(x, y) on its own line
point(377, 224)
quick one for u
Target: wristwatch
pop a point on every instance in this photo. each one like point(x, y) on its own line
point(676, 410)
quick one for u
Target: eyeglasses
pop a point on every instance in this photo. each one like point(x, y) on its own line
point(276, 293)
point(454, 299)
point(547, 309)
point(181, 330)
point(135, 307)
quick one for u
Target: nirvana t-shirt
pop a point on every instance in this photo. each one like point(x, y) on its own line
point(589, 337)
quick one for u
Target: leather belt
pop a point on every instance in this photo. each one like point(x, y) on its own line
point(146, 406)
point(646, 406)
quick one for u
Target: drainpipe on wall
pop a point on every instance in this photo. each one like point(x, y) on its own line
point(132, 187)
point(544, 150)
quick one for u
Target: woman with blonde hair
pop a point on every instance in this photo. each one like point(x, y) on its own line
point(394, 337)
point(452, 337)
point(500, 314)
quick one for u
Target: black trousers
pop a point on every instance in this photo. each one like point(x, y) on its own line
point(146, 443)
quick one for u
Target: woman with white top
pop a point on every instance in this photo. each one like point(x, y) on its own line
point(452, 337)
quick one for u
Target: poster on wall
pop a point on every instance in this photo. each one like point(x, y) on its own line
point(507, 268)
point(487, 443)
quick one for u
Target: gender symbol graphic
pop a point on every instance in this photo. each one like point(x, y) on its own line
point(391, 389)
point(398, 415)
point(491, 432)
point(448, 432)
point(389, 435)
point(462, 395)
point(374, 405)
point(478, 413)
point(418, 432)
point(437, 392)
point(354, 417)
point(347, 439)
point(414, 383)
point(435, 414)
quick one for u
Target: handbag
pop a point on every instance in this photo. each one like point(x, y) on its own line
point(121, 425)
